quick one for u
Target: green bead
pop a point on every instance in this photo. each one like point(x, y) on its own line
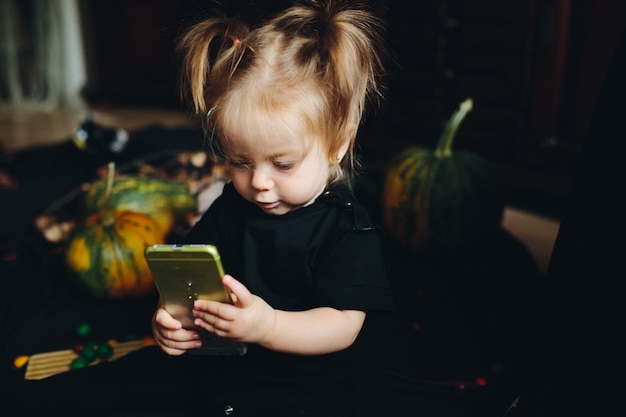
point(89, 352)
point(83, 330)
point(105, 351)
point(79, 362)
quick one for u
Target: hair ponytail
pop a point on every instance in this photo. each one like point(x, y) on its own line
point(211, 50)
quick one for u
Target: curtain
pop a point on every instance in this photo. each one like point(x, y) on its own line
point(42, 61)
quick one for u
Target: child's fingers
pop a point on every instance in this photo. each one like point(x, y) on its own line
point(174, 348)
point(176, 342)
point(165, 319)
point(243, 297)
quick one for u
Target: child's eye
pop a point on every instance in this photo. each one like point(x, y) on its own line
point(284, 166)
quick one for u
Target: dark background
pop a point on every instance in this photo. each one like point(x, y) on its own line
point(533, 68)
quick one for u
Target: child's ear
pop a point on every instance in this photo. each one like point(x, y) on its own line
point(347, 141)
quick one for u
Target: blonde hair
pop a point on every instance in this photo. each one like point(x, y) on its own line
point(317, 63)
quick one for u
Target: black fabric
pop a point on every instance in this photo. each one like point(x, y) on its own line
point(148, 379)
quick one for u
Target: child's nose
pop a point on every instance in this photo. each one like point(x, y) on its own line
point(261, 179)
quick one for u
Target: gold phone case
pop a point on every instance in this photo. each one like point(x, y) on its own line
point(184, 273)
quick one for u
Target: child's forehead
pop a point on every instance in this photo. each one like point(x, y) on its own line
point(282, 133)
point(278, 107)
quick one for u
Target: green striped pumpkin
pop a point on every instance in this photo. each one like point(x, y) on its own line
point(105, 254)
point(441, 199)
point(167, 202)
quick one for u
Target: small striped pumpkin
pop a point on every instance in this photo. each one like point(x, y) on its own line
point(105, 254)
point(441, 199)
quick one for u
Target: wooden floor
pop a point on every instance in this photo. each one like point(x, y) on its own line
point(28, 128)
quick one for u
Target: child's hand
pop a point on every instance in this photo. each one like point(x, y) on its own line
point(249, 319)
point(170, 335)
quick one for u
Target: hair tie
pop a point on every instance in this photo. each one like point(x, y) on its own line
point(208, 114)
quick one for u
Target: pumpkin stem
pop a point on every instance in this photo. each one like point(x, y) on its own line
point(106, 211)
point(444, 146)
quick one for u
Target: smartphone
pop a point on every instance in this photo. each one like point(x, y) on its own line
point(185, 273)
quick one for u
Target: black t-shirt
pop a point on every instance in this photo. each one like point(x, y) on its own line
point(324, 254)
